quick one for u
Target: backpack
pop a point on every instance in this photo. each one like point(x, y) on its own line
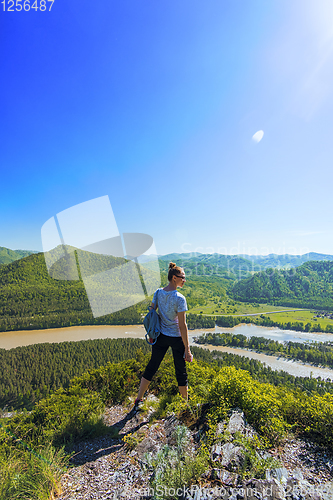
point(152, 325)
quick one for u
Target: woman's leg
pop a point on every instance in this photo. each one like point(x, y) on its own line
point(183, 391)
point(178, 351)
point(144, 384)
point(158, 352)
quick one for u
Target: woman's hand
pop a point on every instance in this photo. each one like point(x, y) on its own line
point(188, 355)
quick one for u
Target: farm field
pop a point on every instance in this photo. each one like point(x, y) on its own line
point(288, 314)
point(236, 308)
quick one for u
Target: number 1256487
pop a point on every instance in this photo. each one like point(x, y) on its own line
point(12, 5)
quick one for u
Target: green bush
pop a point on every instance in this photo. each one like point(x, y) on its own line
point(236, 388)
point(63, 416)
point(176, 467)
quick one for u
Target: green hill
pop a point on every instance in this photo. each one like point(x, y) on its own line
point(31, 299)
point(286, 261)
point(7, 255)
point(237, 266)
point(309, 285)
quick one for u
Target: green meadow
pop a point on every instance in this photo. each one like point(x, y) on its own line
point(279, 314)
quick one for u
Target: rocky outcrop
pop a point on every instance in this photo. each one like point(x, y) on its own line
point(108, 468)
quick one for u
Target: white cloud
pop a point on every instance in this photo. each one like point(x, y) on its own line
point(258, 136)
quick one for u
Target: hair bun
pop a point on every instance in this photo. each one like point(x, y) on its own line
point(172, 265)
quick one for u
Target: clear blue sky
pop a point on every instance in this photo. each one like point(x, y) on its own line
point(154, 103)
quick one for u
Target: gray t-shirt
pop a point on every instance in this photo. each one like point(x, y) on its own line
point(168, 305)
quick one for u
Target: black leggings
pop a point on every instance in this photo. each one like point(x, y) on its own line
point(159, 349)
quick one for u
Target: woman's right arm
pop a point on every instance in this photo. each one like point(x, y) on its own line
point(184, 333)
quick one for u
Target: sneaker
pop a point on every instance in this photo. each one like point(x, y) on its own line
point(137, 404)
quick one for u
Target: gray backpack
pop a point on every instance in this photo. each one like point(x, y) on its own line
point(152, 325)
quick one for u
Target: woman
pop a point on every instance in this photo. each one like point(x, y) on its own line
point(171, 309)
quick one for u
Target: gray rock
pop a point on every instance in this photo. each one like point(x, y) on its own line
point(220, 429)
point(232, 456)
point(226, 477)
point(265, 489)
point(170, 425)
point(280, 473)
point(216, 451)
point(297, 474)
point(148, 445)
point(236, 423)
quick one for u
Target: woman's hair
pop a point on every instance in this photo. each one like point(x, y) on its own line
point(174, 270)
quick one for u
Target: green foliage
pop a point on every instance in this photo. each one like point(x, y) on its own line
point(7, 255)
point(236, 388)
point(75, 412)
point(63, 416)
point(314, 417)
point(195, 321)
point(29, 373)
point(273, 411)
point(255, 464)
point(309, 285)
point(30, 299)
point(24, 475)
point(175, 467)
point(113, 382)
point(318, 353)
point(132, 440)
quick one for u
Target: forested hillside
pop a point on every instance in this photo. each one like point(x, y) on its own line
point(31, 299)
point(310, 286)
point(30, 373)
point(238, 266)
point(7, 255)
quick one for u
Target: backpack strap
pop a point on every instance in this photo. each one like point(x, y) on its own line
point(156, 302)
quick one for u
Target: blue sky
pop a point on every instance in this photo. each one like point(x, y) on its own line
point(154, 103)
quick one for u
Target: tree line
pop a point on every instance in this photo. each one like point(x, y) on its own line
point(309, 285)
point(30, 373)
point(320, 353)
point(264, 320)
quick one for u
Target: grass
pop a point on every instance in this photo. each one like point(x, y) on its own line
point(304, 315)
point(236, 308)
point(289, 314)
point(25, 476)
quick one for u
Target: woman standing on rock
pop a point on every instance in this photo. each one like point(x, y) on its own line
point(171, 309)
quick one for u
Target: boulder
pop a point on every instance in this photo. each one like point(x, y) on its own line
point(236, 423)
point(229, 455)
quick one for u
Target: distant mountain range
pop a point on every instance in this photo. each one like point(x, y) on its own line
point(30, 298)
point(271, 260)
point(245, 263)
point(237, 266)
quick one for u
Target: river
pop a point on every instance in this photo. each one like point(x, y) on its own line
point(9, 340)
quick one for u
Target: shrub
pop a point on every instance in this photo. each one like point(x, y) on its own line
point(262, 408)
point(63, 416)
point(175, 467)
